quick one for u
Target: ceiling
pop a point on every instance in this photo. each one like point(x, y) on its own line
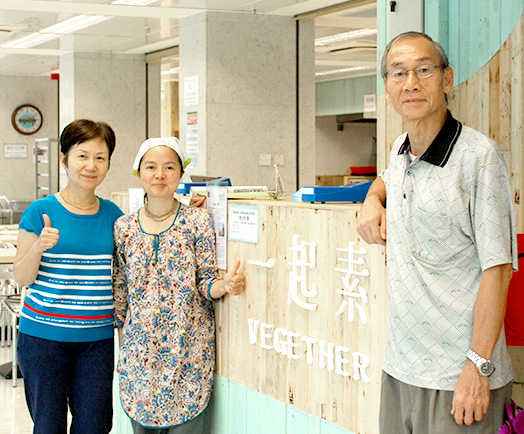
point(155, 27)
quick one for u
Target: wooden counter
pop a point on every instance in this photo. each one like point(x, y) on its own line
point(296, 349)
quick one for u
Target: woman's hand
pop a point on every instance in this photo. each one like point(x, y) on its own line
point(48, 237)
point(29, 251)
point(232, 283)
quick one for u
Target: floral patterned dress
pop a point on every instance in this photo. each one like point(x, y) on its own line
point(162, 301)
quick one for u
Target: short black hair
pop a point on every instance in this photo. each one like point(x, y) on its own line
point(82, 130)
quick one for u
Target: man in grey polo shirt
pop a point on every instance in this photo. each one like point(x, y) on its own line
point(451, 248)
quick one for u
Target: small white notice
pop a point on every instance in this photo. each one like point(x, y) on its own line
point(191, 91)
point(15, 150)
point(243, 223)
point(216, 204)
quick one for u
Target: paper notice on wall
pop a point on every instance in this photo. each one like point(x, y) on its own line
point(15, 150)
point(192, 144)
point(243, 223)
point(191, 91)
point(216, 203)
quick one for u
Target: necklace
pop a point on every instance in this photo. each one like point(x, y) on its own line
point(76, 206)
point(160, 217)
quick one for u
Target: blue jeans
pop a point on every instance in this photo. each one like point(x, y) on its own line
point(58, 374)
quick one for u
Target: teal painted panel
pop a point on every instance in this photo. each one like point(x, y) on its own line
point(343, 96)
point(431, 25)
point(297, 422)
point(493, 15)
point(238, 420)
point(477, 29)
point(266, 415)
point(220, 406)
point(506, 19)
point(250, 412)
point(327, 428)
point(463, 37)
point(471, 31)
point(313, 425)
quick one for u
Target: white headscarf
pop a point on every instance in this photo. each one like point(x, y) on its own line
point(170, 142)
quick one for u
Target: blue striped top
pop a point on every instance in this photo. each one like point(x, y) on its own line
point(71, 299)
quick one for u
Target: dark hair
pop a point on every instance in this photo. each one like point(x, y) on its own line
point(82, 130)
point(444, 62)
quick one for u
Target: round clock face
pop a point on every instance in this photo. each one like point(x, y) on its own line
point(27, 119)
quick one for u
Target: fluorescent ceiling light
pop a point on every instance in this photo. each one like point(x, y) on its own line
point(339, 71)
point(347, 36)
point(73, 24)
point(56, 30)
point(29, 41)
point(133, 2)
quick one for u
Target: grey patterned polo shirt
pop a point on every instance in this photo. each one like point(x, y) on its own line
point(449, 217)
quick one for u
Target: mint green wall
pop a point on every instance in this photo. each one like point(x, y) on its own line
point(471, 31)
point(239, 410)
point(343, 96)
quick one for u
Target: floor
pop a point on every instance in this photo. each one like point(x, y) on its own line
point(15, 416)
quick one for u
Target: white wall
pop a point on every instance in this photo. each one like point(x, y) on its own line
point(111, 88)
point(246, 69)
point(17, 175)
point(336, 151)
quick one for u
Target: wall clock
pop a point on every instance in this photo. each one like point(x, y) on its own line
point(27, 119)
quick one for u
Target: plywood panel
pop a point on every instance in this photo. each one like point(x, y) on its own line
point(313, 388)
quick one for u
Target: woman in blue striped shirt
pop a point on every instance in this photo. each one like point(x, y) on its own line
point(64, 255)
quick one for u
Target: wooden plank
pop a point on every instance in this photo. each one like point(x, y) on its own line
point(309, 387)
point(494, 98)
point(483, 95)
point(517, 119)
point(505, 96)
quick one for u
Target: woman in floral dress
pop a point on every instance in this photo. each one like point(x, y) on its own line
point(165, 281)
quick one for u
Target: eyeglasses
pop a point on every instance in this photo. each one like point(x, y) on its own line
point(421, 71)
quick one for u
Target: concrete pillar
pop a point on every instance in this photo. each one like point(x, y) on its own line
point(244, 69)
point(112, 88)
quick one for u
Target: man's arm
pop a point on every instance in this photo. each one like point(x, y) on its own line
point(372, 219)
point(471, 398)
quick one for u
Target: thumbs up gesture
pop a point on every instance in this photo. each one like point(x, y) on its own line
point(234, 283)
point(48, 237)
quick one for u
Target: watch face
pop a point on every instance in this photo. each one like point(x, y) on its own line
point(486, 368)
point(27, 119)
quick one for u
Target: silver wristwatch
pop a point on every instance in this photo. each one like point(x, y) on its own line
point(484, 366)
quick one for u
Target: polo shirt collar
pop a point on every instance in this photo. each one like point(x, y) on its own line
point(440, 149)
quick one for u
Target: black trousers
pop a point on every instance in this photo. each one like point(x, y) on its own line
point(62, 374)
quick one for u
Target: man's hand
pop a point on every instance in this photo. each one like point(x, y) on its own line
point(372, 219)
point(471, 398)
point(372, 222)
